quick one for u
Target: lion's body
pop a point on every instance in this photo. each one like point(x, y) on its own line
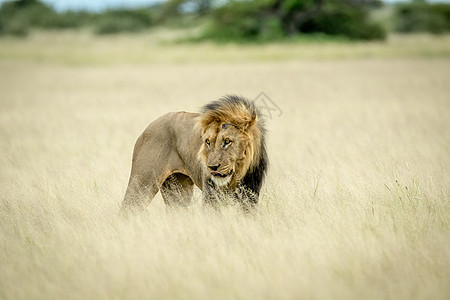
point(170, 155)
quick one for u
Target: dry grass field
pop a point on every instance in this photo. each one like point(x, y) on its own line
point(355, 205)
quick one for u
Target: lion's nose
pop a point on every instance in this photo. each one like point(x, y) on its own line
point(214, 168)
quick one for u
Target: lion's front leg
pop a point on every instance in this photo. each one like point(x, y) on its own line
point(215, 196)
point(210, 195)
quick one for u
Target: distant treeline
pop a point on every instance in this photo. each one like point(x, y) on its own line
point(244, 20)
point(18, 17)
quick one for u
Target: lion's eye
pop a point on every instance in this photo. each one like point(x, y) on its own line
point(207, 142)
point(226, 142)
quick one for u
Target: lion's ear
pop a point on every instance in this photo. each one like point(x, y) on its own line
point(253, 120)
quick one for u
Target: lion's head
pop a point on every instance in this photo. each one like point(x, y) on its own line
point(232, 132)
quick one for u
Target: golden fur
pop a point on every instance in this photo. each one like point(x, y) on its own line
point(221, 149)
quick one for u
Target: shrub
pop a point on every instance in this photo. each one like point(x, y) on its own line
point(237, 21)
point(68, 19)
point(16, 18)
point(116, 25)
point(116, 21)
point(339, 19)
point(272, 19)
point(420, 16)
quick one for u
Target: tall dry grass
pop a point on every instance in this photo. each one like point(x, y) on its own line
point(355, 204)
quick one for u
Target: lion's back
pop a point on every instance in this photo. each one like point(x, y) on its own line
point(170, 143)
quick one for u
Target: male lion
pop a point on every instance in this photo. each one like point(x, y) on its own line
point(222, 151)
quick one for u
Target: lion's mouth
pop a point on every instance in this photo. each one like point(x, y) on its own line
point(219, 174)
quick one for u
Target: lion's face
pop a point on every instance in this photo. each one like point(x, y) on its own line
point(222, 152)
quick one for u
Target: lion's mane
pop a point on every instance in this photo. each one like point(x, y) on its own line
point(246, 116)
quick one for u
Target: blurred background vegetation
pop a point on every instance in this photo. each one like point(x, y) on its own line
point(239, 21)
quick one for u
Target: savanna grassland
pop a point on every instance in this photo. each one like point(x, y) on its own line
point(356, 201)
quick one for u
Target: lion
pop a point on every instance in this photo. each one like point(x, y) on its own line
point(221, 150)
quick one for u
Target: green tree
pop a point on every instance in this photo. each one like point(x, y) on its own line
point(271, 19)
point(420, 16)
point(18, 17)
